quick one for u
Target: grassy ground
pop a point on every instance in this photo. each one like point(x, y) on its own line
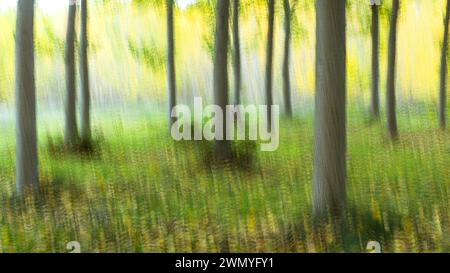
point(141, 192)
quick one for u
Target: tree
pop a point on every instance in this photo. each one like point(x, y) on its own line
point(236, 53)
point(443, 74)
point(71, 130)
point(329, 191)
point(25, 92)
point(287, 50)
point(269, 59)
point(375, 32)
point(222, 147)
point(171, 77)
point(390, 85)
point(86, 136)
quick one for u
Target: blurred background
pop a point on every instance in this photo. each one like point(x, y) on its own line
point(128, 41)
point(141, 192)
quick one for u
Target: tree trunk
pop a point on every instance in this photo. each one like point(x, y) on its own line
point(375, 100)
point(86, 136)
point(236, 53)
point(25, 91)
point(269, 60)
point(287, 48)
point(443, 82)
point(222, 147)
point(171, 77)
point(390, 86)
point(329, 191)
point(71, 130)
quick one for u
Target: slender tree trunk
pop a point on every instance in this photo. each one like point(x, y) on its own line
point(442, 105)
point(25, 91)
point(390, 86)
point(269, 60)
point(71, 130)
point(329, 191)
point(375, 100)
point(236, 53)
point(86, 136)
point(223, 149)
point(286, 60)
point(171, 77)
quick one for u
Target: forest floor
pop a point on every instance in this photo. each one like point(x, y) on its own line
point(142, 192)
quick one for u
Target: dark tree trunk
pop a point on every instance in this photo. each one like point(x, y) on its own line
point(443, 81)
point(236, 53)
point(286, 59)
point(25, 92)
point(71, 130)
point(329, 191)
point(171, 77)
point(375, 100)
point(86, 136)
point(269, 60)
point(222, 149)
point(390, 86)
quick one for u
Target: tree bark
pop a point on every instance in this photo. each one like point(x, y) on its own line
point(375, 100)
point(25, 91)
point(86, 136)
point(222, 147)
point(71, 130)
point(269, 60)
point(286, 59)
point(442, 105)
point(329, 190)
point(390, 86)
point(171, 77)
point(236, 53)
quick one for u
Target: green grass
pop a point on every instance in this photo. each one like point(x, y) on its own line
point(142, 192)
